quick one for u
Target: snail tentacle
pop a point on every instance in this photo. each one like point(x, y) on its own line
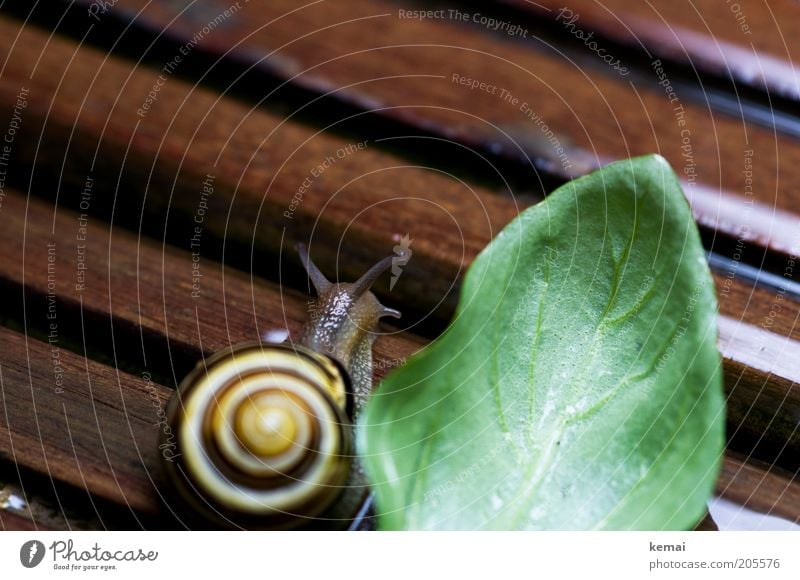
point(318, 279)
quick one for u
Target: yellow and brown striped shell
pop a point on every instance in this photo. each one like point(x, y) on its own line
point(262, 436)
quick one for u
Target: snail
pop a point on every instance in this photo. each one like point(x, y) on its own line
point(261, 434)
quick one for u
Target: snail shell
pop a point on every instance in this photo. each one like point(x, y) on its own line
point(262, 432)
point(263, 436)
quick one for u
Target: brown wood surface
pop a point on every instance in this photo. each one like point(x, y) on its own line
point(128, 416)
point(760, 487)
point(761, 381)
point(89, 425)
point(753, 42)
point(146, 290)
point(12, 522)
point(264, 181)
point(402, 68)
point(146, 295)
point(30, 499)
point(89, 102)
point(86, 105)
point(135, 310)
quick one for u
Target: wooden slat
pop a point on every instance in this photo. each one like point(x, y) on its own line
point(367, 55)
point(79, 421)
point(12, 522)
point(761, 372)
point(438, 246)
point(146, 289)
point(443, 245)
point(759, 334)
point(750, 41)
point(176, 279)
point(123, 282)
point(97, 95)
point(762, 488)
point(30, 500)
point(259, 162)
point(133, 458)
point(707, 524)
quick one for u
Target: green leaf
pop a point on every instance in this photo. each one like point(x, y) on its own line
point(579, 385)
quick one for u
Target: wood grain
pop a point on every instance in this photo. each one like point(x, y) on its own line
point(87, 105)
point(751, 41)
point(79, 421)
point(139, 293)
point(135, 302)
point(140, 296)
point(167, 159)
point(368, 55)
point(131, 428)
point(760, 487)
point(760, 378)
point(12, 522)
point(51, 504)
point(153, 168)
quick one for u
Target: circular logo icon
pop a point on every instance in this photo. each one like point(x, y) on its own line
point(31, 553)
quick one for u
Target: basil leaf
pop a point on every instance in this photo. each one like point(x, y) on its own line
point(579, 385)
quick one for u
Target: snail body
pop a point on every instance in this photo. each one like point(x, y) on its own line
point(343, 322)
point(263, 432)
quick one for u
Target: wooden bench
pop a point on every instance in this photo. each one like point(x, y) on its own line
point(124, 115)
